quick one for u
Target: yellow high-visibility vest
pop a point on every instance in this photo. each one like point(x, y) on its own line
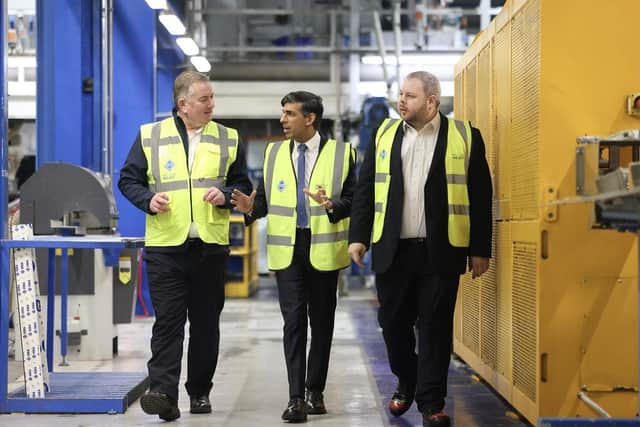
point(168, 172)
point(328, 241)
point(456, 168)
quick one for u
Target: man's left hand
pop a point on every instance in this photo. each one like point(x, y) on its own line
point(214, 196)
point(478, 265)
point(320, 197)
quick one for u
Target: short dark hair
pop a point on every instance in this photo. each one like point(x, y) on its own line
point(311, 103)
point(182, 84)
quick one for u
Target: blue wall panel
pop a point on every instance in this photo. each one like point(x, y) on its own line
point(134, 26)
point(59, 82)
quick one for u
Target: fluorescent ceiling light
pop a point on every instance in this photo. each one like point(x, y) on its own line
point(173, 24)
point(418, 59)
point(188, 46)
point(157, 4)
point(201, 64)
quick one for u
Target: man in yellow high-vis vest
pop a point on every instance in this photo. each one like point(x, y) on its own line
point(306, 192)
point(181, 171)
point(423, 204)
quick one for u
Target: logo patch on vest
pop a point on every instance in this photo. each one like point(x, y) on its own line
point(457, 156)
point(383, 154)
point(169, 165)
point(281, 185)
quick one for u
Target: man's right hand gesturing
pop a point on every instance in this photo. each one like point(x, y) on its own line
point(242, 202)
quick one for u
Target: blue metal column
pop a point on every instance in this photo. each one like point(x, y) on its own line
point(4, 200)
point(91, 66)
point(46, 87)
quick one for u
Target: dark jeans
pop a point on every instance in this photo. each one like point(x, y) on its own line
point(185, 285)
point(412, 294)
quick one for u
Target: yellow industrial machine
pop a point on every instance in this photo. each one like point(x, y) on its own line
point(556, 314)
point(242, 269)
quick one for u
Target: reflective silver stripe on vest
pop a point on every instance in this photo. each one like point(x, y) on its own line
point(207, 182)
point(225, 145)
point(155, 157)
point(463, 131)
point(459, 210)
point(161, 141)
point(390, 123)
point(279, 240)
point(336, 186)
point(329, 237)
point(171, 186)
point(381, 177)
point(456, 179)
point(378, 207)
point(281, 210)
point(318, 211)
point(271, 162)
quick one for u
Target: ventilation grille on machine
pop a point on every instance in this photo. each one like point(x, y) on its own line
point(525, 361)
point(502, 113)
point(525, 112)
point(470, 313)
point(489, 306)
point(484, 103)
point(504, 295)
point(470, 91)
point(459, 95)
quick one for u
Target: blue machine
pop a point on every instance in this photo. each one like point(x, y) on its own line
point(374, 111)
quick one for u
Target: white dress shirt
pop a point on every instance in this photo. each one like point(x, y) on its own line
point(310, 157)
point(194, 140)
point(417, 153)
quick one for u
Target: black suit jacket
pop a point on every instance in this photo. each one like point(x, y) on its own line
point(443, 257)
point(341, 206)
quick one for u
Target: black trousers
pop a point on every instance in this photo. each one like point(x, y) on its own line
point(412, 294)
point(185, 285)
point(302, 291)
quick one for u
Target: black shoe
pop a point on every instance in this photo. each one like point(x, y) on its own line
point(200, 404)
point(400, 401)
point(435, 419)
point(296, 411)
point(315, 403)
point(160, 404)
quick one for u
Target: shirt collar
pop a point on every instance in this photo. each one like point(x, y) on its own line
point(434, 124)
point(312, 144)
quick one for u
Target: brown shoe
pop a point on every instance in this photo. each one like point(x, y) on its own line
point(435, 419)
point(296, 411)
point(400, 402)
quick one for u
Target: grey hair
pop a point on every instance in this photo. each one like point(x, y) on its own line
point(430, 83)
point(182, 84)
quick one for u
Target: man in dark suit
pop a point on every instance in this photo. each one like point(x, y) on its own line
point(424, 201)
point(306, 193)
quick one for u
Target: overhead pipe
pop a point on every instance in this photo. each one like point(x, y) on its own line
point(325, 11)
point(320, 49)
point(335, 77)
point(354, 58)
point(381, 50)
point(107, 86)
point(397, 32)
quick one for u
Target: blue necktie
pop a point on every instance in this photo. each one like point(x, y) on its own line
point(301, 208)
